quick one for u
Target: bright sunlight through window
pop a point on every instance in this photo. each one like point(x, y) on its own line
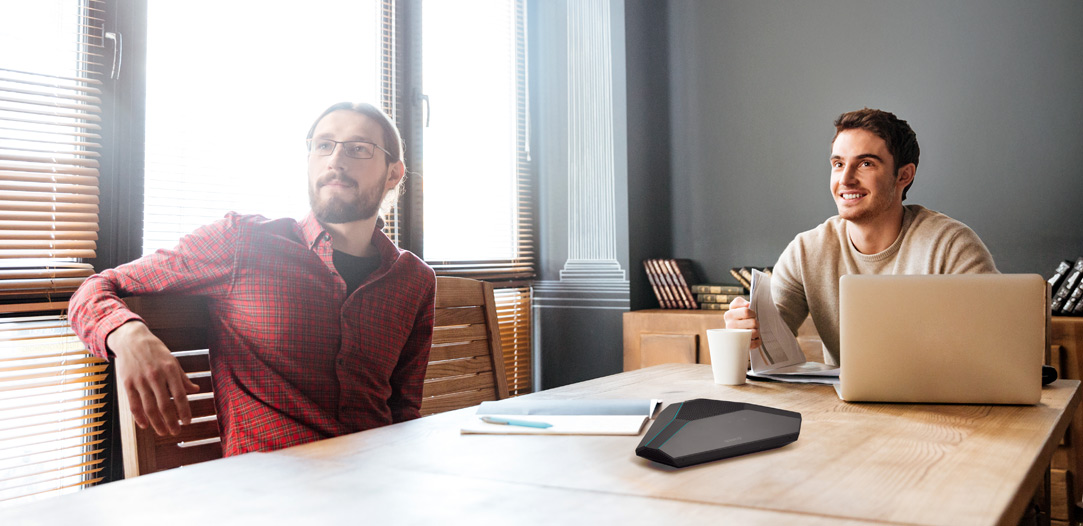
point(232, 88)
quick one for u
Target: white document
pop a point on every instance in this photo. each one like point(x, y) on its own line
point(561, 425)
point(568, 417)
point(779, 357)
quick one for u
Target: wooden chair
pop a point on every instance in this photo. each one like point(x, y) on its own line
point(181, 322)
point(466, 364)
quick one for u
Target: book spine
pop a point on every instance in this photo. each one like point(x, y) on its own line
point(736, 273)
point(1074, 300)
point(688, 300)
point(653, 279)
point(746, 272)
point(1067, 288)
point(719, 298)
point(718, 289)
point(670, 280)
point(715, 306)
point(664, 286)
point(1058, 276)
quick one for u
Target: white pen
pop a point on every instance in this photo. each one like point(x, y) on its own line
point(511, 422)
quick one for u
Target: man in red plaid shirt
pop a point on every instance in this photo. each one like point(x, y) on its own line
point(319, 328)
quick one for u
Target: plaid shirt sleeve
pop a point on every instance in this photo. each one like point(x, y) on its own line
point(200, 264)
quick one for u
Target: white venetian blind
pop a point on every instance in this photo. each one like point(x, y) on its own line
point(50, 78)
point(52, 417)
point(52, 392)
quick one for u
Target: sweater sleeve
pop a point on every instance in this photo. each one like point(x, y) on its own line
point(788, 287)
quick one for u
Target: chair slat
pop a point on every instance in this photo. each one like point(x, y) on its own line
point(459, 334)
point(457, 384)
point(460, 316)
point(451, 402)
point(458, 350)
point(455, 293)
point(459, 367)
point(194, 363)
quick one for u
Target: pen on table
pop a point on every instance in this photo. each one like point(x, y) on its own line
point(511, 422)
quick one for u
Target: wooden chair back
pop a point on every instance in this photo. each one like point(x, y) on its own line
point(181, 322)
point(466, 363)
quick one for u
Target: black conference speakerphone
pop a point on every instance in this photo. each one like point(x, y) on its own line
point(702, 430)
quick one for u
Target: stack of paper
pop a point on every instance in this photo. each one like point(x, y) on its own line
point(566, 417)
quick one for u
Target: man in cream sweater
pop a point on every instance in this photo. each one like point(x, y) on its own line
point(874, 157)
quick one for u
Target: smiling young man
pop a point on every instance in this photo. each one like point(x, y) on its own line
point(874, 159)
point(319, 328)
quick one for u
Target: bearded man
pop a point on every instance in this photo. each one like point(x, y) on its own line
point(319, 328)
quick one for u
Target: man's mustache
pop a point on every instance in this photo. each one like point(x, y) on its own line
point(335, 178)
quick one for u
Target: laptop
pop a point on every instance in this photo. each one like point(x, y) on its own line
point(958, 338)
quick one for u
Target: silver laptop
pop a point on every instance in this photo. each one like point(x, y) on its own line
point(960, 338)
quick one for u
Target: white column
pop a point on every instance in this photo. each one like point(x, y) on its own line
point(592, 247)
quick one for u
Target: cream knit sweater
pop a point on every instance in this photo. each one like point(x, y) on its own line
point(806, 277)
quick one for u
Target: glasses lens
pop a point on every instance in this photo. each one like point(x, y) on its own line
point(359, 150)
point(321, 146)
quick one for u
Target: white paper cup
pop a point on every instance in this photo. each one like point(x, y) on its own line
point(729, 354)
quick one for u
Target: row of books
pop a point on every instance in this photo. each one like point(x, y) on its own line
point(675, 285)
point(1066, 285)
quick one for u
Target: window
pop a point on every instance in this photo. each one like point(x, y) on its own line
point(231, 136)
point(476, 195)
point(52, 393)
point(477, 212)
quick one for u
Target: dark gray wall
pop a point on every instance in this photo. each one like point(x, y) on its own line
point(649, 196)
point(994, 90)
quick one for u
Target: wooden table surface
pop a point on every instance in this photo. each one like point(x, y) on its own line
point(853, 464)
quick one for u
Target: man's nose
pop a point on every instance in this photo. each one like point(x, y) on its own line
point(849, 175)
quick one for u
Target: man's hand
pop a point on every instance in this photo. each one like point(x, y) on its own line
point(739, 316)
point(156, 385)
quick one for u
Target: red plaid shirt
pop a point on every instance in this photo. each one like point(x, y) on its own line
point(294, 359)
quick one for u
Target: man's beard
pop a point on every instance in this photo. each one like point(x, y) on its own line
point(337, 209)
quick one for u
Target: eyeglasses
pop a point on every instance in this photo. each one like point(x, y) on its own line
point(354, 149)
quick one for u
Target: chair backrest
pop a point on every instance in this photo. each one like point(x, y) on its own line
point(181, 322)
point(466, 364)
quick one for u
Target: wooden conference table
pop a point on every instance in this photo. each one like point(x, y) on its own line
point(853, 464)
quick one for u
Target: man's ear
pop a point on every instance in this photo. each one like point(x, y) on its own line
point(905, 176)
point(395, 171)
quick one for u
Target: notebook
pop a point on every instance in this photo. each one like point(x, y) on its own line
point(565, 417)
point(970, 338)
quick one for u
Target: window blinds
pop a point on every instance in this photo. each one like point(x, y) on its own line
point(50, 119)
point(52, 416)
point(52, 392)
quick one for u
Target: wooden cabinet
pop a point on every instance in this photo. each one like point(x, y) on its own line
point(1065, 354)
point(657, 336)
